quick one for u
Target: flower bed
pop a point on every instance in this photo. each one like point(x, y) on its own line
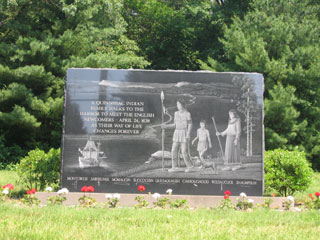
point(167, 200)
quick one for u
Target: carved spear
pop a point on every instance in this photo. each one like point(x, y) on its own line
point(215, 127)
point(162, 135)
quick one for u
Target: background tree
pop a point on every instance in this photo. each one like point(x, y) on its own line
point(176, 34)
point(162, 32)
point(39, 40)
point(281, 40)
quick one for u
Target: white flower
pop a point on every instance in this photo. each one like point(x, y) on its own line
point(297, 209)
point(243, 194)
point(156, 195)
point(5, 191)
point(250, 201)
point(49, 189)
point(63, 191)
point(108, 196)
point(290, 198)
point(116, 195)
point(169, 191)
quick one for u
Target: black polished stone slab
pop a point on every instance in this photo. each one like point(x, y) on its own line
point(113, 139)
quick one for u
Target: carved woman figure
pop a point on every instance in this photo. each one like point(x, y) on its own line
point(233, 132)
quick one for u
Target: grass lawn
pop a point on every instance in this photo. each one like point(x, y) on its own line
point(59, 222)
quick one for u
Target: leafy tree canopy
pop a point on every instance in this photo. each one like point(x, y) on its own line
point(39, 40)
point(281, 40)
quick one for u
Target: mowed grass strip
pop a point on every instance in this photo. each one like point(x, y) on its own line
point(59, 222)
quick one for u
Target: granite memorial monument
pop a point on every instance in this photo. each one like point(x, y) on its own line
point(197, 133)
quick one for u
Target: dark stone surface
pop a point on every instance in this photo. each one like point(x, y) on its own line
point(112, 126)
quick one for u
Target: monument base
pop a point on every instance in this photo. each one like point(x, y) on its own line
point(128, 200)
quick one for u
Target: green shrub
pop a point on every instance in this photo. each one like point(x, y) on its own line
point(56, 200)
point(10, 154)
point(179, 203)
point(30, 200)
point(287, 171)
point(40, 169)
point(87, 202)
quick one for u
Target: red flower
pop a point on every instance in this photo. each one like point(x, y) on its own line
point(141, 188)
point(84, 189)
point(273, 194)
point(9, 185)
point(32, 191)
point(227, 192)
point(90, 189)
point(226, 196)
point(310, 195)
point(317, 194)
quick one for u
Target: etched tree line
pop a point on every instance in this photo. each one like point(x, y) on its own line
point(247, 105)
